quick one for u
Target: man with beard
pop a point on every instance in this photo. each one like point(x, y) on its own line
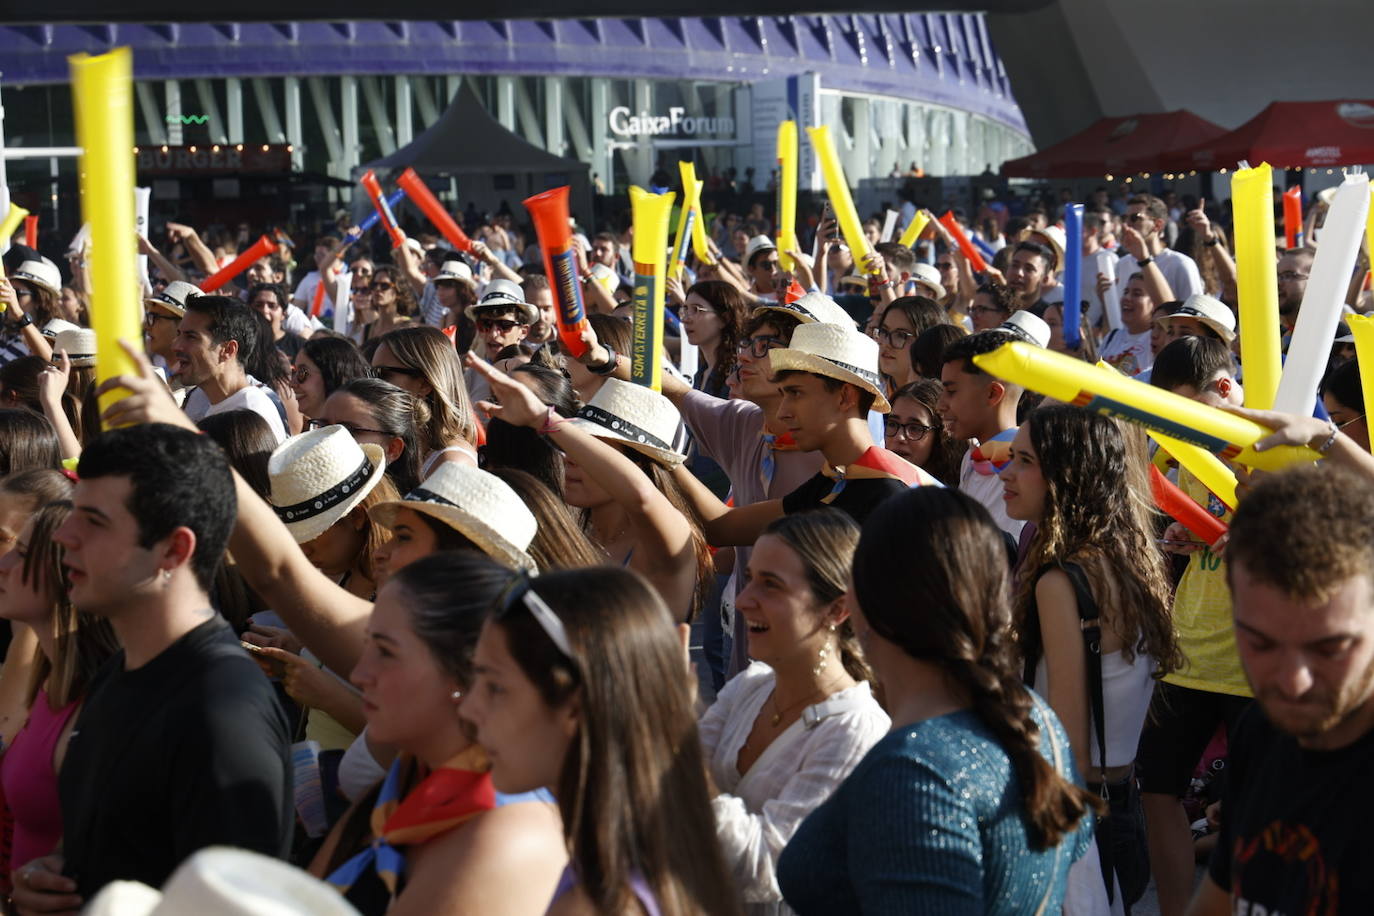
point(538, 294)
point(214, 337)
point(1294, 821)
point(1294, 268)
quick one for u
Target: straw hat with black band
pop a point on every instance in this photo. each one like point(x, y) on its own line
point(173, 297)
point(319, 477)
point(835, 351)
point(43, 274)
point(504, 295)
point(635, 415)
point(79, 344)
point(478, 505)
point(813, 307)
point(1209, 311)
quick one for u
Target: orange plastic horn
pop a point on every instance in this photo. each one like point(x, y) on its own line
point(415, 188)
point(549, 211)
point(374, 191)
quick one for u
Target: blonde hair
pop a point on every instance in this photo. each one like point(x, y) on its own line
point(429, 351)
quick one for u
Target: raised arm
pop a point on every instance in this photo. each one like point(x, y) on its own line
point(52, 385)
point(165, 267)
point(203, 257)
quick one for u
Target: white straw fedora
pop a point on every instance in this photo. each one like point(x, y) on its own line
point(928, 277)
point(1027, 326)
point(636, 415)
point(458, 271)
point(836, 351)
point(504, 294)
point(478, 505)
point(813, 307)
point(220, 881)
point(1210, 311)
point(319, 476)
point(79, 344)
point(173, 296)
point(42, 273)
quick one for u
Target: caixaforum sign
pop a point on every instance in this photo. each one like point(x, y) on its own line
point(676, 123)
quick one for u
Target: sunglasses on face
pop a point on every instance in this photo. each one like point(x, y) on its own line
point(383, 371)
point(504, 325)
point(321, 423)
point(381, 287)
point(299, 375)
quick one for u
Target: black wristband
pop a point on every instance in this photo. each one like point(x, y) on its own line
point(1143, 261)
point(608, 366)
point(25, 321)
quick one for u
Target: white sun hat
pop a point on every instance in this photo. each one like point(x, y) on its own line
point(456, 270)
point(755, 245)
point(836, 351)
point(220, 881)
point(1028, 327)
point(636, 415)
point(173, 296)
point(79, 344)
point(319, 477)
point(504, 294)
point(813, 307)
point(1214, 313)
point(1053, 238)
point(929, 277)
point(42, 273)
point(478, 505)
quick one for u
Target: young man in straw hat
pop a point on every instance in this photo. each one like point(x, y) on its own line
point(180, 743)
point(828, 381)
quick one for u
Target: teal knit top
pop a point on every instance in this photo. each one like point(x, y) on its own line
point(930, 822)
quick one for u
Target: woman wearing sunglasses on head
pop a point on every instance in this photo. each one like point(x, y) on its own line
point(581, 687)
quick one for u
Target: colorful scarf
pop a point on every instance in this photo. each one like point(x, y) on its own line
point(990, 457)
point(769, 465)
point(444, 799)
point(877, 464)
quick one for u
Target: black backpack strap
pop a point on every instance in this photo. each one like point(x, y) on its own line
point(1090, 620)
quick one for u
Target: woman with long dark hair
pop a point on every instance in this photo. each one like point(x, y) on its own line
point(968, 804)
point(1093, 610)
point(582, 688)
point(906, 319)
point(378, 412)
point(914, 431)
point(713, 318)
point(392, 300)
point(323, 365)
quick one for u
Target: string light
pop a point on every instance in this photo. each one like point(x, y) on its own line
point(1109, 177)
point(238, 147)
point(193, 149)
point(264, 147)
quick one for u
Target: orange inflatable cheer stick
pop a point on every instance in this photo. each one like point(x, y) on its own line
point(971, 253)
point(374, 191)
point(261, 249)
point(31, 230)
point(424, 198)
point(549, 211)
point(1180, 506)
point(1292, 216)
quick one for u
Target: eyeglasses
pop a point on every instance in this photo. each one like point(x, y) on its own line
point(381, 287)
point(384, 371)
point(360, 290)
point(1138, 218)
point(914, 432)
point(770, 264)
point(987, 309)
point(321, 423)
point(695, 310)
point(152, 318)
point(299, 374)
point(758, 347)
point(894, 338)
point(1348, 422)
point(946, 265)
point(1288, 276)
point(504, 325)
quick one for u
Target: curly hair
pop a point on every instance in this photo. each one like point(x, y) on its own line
point(733, 310)
point(1088, 520)
point(406, 305)
point(946, 452)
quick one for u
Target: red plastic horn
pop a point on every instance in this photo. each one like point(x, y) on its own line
point(1181, 507)
point(424, 198)
point(261, 249)
point(549, 211)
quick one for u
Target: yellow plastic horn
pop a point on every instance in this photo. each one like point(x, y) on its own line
point(1362, 326)
point(840, 199)
point(10, 224)
point(1210, 470)
point(1252, 195)
point(650, 213)
point(1107, 391)
point(914, 230)
point(102, 91)
point(689, 214)
point(787, 193)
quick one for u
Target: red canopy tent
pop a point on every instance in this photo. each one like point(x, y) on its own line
point(1289, 135)
point(1116, 145)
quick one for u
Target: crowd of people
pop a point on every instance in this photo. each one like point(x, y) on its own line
point(363, 571)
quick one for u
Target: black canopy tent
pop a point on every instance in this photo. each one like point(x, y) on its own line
point(491, 165)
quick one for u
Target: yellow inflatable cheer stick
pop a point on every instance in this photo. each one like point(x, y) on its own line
point(1252, 196)
point(913, 231)
point(650, 213)
point(1073, 381)
point(787, 193)
point(1362, 326)
point(103, 90)
point(1202, 464)
point(689, 214)
point(10, 224)
point(840, 199)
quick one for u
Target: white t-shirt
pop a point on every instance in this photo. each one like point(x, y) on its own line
point(253, 398)
point(987, 489)
point(305, 293)
point(1129, 353)
point(1179, 269)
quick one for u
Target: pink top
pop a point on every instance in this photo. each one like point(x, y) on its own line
point(30, 783)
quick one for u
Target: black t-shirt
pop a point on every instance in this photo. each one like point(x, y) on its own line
point(1295, 833)
point(858, 498)
point(190, 750)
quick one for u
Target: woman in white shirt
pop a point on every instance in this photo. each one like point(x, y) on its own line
point(788, 729)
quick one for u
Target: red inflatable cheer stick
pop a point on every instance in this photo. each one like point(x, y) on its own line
point(1292, 216)
point(261, 249)
point(424, 198)
point(550, 213)
point(971, 253)
point(1173, 501)
point(31, 230)
point(374, 191)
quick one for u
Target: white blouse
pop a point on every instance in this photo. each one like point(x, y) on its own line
point(757, 812)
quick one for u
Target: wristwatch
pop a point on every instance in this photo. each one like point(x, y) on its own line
point(608, 366)
point(1143, 261)
point(25, 321)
